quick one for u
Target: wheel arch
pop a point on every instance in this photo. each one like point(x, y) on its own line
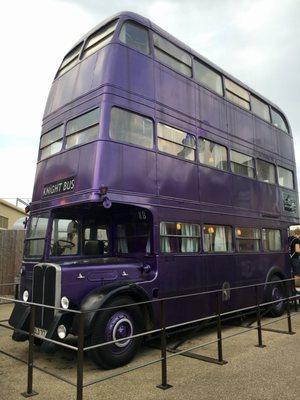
point(100, 298)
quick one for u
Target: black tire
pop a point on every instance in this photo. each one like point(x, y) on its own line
point(115, 324)
point(276, 291)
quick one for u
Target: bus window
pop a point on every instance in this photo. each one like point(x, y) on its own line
point(247, 239)
point(265, 171)
point(70, 60)
point(212, 154)
point(271, 239)
point(95, 241)
point(133, 238)
point(260, 109)
point(64, 237)
point(178, 237)
point(242, 164)
point(99, 39)
point(208, 77)
point(217, 238)
point(171, 55)
point(129, 127)
point(83, 129)
point(176, 142)
point(285, 178)
point(278, 121)
point(35, 237)
point(135, 36)
point(237, 94)
point(51, 142)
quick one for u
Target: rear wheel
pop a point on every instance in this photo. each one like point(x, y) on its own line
point(119, 323)
point(276, 291)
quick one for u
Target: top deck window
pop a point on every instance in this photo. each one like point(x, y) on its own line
point(260, 109)
point(237, 94)
point(99, 38)
point(208, 77)
point(70, 60)
point(135, 36)
point(285, 178)
point(278, 121)
point(171, 55)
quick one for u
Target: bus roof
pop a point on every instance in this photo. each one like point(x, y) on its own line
point(149, 24)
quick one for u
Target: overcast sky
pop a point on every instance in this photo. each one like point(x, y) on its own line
point(256, 41)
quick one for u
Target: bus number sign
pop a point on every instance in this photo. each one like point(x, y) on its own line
point(58, 187)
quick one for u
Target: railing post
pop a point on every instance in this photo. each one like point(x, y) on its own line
point(80, 355)
point(219, 329)
point(30, 392)
point(258, 317)
point(164, 379)
point(288, 311)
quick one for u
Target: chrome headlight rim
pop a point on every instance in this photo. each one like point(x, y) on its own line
point(65, 302)
point(25, 296)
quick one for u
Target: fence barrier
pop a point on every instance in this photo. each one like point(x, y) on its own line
point(162, 330)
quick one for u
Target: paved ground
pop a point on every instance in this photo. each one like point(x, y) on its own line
point(251, 373)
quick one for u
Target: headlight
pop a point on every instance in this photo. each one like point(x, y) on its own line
point(65, 302)
point(61, 331)
point(25, 295)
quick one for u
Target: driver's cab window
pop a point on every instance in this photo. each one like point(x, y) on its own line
point(95, 241)
point(64, 238)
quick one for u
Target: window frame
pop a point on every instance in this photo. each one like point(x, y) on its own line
point(256, 98)
point(257, 160)
point(217, 144)
point(293, 177)
point(195, 61)
point(69, 65)
point(116, 106)
point(133, 22)
point(274, 110)
point(253, 168)
point(86, 48)
point(176, 143)
point(222, 251)
point(235, 94)
point(262, 240)
point(185, 253)
point(237, 238)
point(62, 139)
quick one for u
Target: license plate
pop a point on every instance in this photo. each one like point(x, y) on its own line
point(40, 332)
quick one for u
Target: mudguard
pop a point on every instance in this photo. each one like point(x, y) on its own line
point(100, 297)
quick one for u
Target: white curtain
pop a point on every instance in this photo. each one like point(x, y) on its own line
point(164, 240)
point(220, 239)
point(274, 239)
point(122, 246)
point(189, 244)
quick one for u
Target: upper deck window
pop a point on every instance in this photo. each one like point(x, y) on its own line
point(99, 38)
point(265, 171)
point(176, 142)
point(260, 109)
point(237, 94)
point(171, 55)
point(51, 142)
point(242, 164)
point(128, 127)
point(212, 154)
point(135, 36)
point(285, 178)
point(208, 77)
point(70, 60)
point(83, 129)
point(278, 121)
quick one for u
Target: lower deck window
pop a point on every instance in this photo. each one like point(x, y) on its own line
point(271, 239)
point(133, 238)
point(179, 237)
point(247, 239)
point(217, 238)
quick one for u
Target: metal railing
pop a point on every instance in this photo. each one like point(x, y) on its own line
point(162, 331)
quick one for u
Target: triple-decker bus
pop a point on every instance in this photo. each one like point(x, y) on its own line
point(158, 174)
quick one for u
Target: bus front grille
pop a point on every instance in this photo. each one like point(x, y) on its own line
point(45, 290)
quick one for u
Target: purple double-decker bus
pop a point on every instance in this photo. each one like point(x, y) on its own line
point(158, 174)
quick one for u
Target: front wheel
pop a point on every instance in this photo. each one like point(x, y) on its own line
point(276, 291)
point(118, 323)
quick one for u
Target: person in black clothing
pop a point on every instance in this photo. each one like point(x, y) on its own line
point(295, 255)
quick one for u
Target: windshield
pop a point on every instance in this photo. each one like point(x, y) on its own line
point(35, 237)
